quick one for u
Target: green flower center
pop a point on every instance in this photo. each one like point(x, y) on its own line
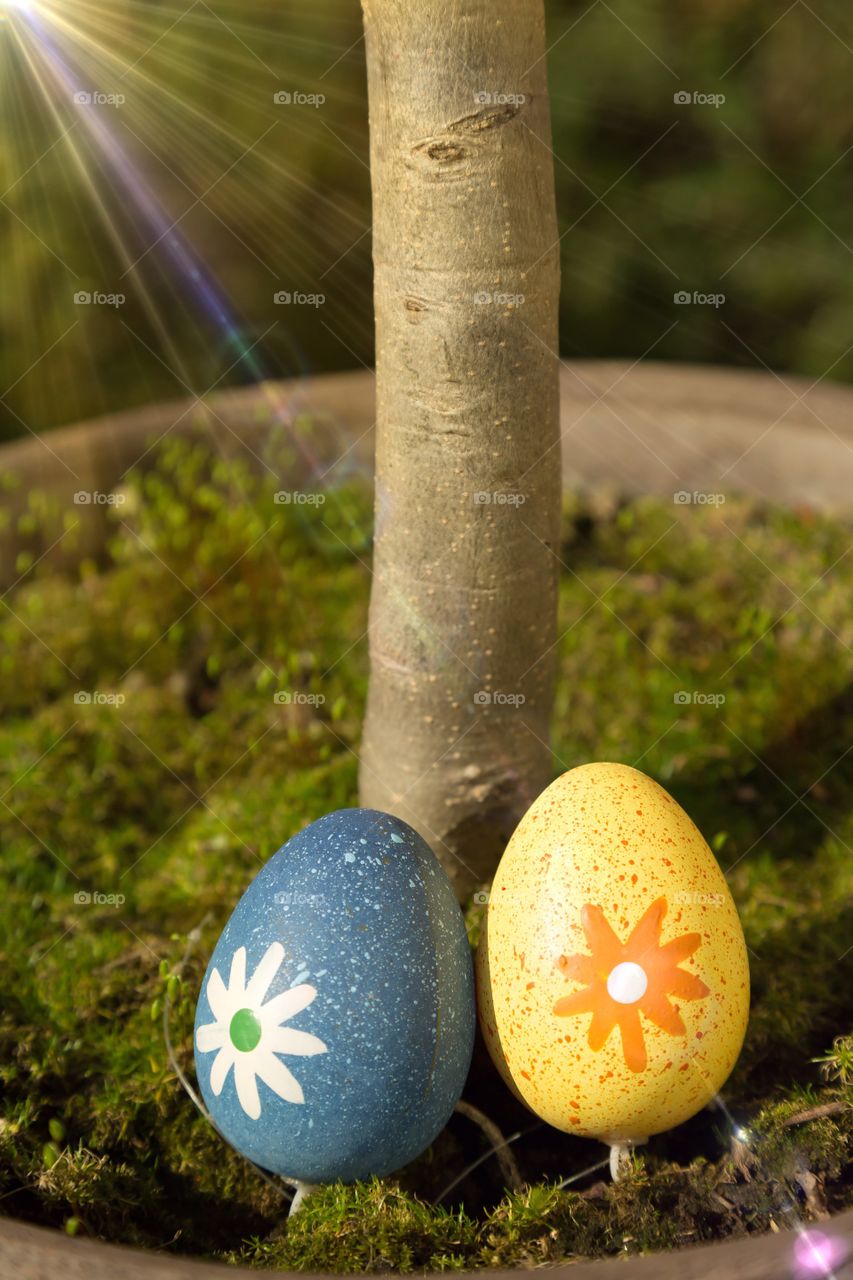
point(245, 1031)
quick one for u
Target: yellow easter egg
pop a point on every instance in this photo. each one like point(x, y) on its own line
point(612, 974)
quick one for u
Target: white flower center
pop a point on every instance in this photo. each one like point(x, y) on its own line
point(627, 983)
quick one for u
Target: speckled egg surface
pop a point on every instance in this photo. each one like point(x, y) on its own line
point(335, 1023)
point(612, 973)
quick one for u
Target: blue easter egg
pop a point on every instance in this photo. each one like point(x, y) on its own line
point(335, 1024)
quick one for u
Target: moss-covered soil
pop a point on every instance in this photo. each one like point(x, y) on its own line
point(132, 818)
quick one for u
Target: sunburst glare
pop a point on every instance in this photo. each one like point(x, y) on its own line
point(196, 182)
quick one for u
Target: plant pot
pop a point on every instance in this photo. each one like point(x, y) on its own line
point(686, 431)
point(642, 428)
point(34, 1253)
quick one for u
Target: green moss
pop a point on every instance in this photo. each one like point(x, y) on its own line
point(368, 1227)
point(158, 801)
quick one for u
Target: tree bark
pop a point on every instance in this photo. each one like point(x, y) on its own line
point(466, 255)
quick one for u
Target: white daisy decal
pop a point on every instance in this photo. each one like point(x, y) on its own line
point(247, 1033)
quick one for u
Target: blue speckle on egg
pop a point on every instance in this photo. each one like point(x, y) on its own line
point(335, 1023)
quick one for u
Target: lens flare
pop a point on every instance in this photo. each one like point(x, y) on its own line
point(817, 1255)
point(12, 8)
point(184, 202)
point(126, 176)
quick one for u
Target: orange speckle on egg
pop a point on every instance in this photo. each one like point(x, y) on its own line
point(572, 850)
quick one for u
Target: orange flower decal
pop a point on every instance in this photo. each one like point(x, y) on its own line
point(624, 980)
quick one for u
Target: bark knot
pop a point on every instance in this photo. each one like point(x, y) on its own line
point(445, 151)
point(414, 306)
point(486, 118)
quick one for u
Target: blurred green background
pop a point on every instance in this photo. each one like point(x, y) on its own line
point(749, 197)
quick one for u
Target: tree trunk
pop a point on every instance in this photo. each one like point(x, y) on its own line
point(466, 255)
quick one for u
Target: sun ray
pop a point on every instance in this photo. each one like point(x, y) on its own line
point(170, 170)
